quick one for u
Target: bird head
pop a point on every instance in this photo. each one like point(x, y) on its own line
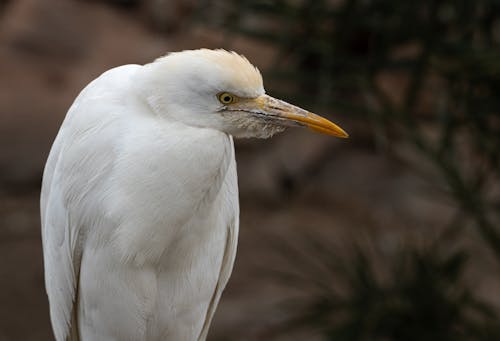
point(222, 90)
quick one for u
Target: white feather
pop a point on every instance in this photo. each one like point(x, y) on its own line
point(139, 216)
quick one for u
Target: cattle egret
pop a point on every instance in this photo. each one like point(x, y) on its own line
point(139, 202)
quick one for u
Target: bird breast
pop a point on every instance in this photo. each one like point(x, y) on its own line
point(176, 173)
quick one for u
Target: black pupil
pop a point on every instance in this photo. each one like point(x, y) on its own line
point(227, 98)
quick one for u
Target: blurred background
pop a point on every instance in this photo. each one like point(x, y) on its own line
point(393, 234)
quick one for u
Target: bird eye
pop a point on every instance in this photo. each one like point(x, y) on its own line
point(226, 98)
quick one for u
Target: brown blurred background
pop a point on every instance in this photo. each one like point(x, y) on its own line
point(393, 234)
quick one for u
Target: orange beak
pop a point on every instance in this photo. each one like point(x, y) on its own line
point(290, 115)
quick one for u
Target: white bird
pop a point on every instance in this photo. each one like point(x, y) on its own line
point(139, 202)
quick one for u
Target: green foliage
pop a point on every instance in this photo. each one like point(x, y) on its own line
point(413, 294)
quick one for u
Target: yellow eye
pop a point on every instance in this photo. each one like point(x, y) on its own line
point(226, 98)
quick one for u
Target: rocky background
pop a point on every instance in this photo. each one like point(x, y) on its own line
point(358, 239)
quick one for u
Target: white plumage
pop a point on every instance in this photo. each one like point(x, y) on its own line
point(139, 200)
